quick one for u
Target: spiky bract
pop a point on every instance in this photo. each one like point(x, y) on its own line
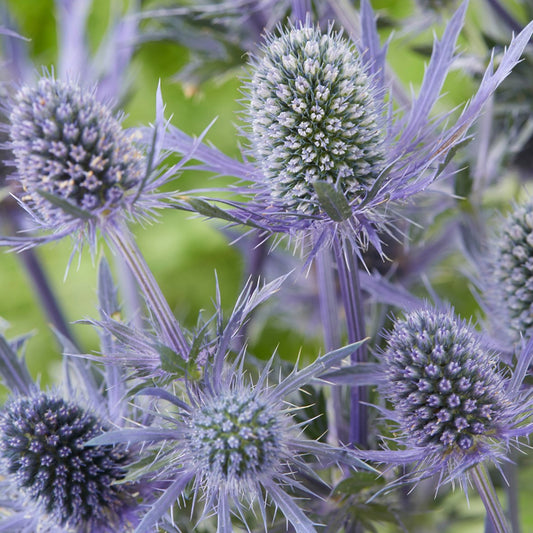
point(313, 118)
point(43, 453)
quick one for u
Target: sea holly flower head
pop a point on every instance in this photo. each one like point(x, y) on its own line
point(331, 155)
point(79, 169)
point(452, 405)
point(314, 118)
point(69, 146)
point(510, 272)
point(235, 443)
point(43, 454)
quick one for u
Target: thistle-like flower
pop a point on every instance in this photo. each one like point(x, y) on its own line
point(510, 280)
point(68, 146)
point(51, 479)
point(43, 455)
point(235, 443)
point(454, 409)
point(314, 118)
point(330, 158)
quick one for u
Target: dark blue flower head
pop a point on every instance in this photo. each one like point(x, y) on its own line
point(313, 117)
point(43, 452)
point(69, 146)
point(451, 405)
point(443, 384)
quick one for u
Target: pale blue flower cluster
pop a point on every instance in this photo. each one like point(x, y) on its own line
point(176, 428)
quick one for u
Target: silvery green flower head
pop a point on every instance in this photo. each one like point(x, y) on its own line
point(231, 443)
point(330, 155)
point(509, 280)
point(451, 405)
point(51, 480)
point(79, 169)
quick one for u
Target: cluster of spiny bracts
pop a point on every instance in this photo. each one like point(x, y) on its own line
point(171, 429)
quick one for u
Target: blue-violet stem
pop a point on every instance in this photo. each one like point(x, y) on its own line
point(489, 498)
point(348, 271)
point(329, 317)
point(122, 242)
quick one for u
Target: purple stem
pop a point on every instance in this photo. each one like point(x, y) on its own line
point(122, 243)
point(328, 304)
point(41, 284)
point(348, 271)
point(300, 10)
point(505, 16)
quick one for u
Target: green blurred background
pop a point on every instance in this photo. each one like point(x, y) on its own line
point(183, 252)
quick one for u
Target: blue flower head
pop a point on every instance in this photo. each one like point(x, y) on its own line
point(235, 443)
point(70, 147)
point(452, 406)
point(43, 455)
point(330, 155)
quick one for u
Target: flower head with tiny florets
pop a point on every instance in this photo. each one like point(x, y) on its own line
point(331, 158)
point(453, 407)
point(69, 145)
point(79, 170)
point(511, 272)
point(313, 117)
point(236, 443)
point(43, 453)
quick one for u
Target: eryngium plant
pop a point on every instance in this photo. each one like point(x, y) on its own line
point(314, 117)
point(43, 453)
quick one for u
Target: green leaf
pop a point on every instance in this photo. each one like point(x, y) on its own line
point(332, 201)
point(357, 482)
point(66, 206)
point(171, 361)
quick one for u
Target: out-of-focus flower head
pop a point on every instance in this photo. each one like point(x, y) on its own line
point(308, 88)
point(451, 406)
point(231, 443)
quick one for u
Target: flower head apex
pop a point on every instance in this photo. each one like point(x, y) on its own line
point(313, 117)
point(453, 406)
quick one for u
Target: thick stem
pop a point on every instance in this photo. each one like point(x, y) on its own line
point(490, 500)
point(164, 320)
point(348, 271)
point(328, 304)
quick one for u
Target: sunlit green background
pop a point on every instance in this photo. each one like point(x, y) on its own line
point(184, 253)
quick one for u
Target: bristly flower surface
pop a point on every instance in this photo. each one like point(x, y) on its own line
point(313, 118)
point(452, 405)
point(235, 443)
point(331, 156)
point(80, 170)
point(43, 453)
point(52, 481)
point(510, 273)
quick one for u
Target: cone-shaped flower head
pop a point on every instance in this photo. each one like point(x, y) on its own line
point(69, 146)
point(511, 271)
point(313, 118)
point(443, 384)
point(43, 453)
